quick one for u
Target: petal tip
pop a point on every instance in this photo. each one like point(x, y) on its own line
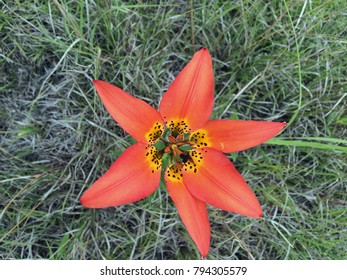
point(260, 214)
point(254, 213)
point(87, 200)
point(204, 51)
point(281, 125)
point(257, 214)
point(204, 250)
point(278, 125)
point(99, 84)
point(257, 211)
point(84, 201)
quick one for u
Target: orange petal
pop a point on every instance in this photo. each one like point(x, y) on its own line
point(192, 211)
point(190, 96)
point(233, 135)
point(133, 176)
point(213, 179)
point(135, 116)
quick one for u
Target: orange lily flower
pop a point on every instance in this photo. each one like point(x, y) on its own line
point(182, 142)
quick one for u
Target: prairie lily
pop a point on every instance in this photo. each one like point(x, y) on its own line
point(182, 142)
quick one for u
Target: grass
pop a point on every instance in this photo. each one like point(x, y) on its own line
point(273, 60)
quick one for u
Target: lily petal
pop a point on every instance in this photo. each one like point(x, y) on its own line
point(190, 96)
point(133, 176)
point(235, 135)
point(191, 210)
point(212, 178)
point(135, 116)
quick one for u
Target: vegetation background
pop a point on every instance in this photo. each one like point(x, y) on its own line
point(273, 60)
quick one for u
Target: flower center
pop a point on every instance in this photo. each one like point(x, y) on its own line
point(174, 148)
point(179, 147)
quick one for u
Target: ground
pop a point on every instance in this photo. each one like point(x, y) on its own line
point(273, 60)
